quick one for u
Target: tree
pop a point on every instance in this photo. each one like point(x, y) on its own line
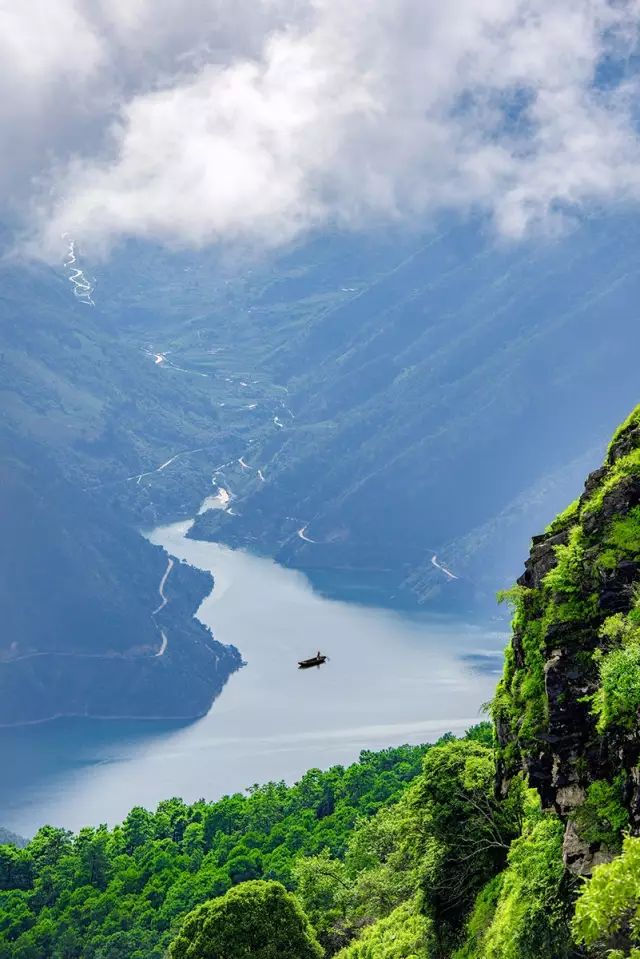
point(91, 848)
point(324, 889)
point(16, 868)
point(137, 829)
point(256, 920)
point(49, 845)
point(467, 831)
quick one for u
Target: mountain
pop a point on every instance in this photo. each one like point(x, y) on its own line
point(80, 585)
point(440, 405)
point(10, 838)
point(520, 840)
point(391, 414)
point(78, 594)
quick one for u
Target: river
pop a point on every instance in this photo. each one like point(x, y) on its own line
point(392, 678)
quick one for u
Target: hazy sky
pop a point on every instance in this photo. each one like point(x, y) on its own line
point(194, 121)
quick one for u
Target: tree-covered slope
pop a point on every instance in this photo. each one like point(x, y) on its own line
point(523, 846)
point(425, 394)
point(395, 398)
point(82, 632)
point(82, 414)
point(122, 893)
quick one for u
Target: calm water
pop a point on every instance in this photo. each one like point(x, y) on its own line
point(392, 678)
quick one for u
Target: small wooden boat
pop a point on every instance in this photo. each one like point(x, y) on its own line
point(316, 660)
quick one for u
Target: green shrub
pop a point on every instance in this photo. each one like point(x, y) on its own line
point(602, 817)
point(525, 916)
point(617, 699)
point(628, 465)
point(567, 576)
point(256, 920)
point(623, 534)
point(632, 422)
point(481, 919)
point(565, 519)
point(520, 702)
point(466, 831)
point(607, 912)
point(405, 934)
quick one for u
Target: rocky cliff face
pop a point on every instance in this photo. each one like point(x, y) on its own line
point(567, 708)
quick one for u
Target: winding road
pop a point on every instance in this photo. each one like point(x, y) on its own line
point(139, 476)
point(303, 536)
point(443, 569)
point(164, 600)
point(163, 583)
point(82, 288)
point(163, 645)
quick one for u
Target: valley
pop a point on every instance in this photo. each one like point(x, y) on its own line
point(352, 410)
point(384, 666)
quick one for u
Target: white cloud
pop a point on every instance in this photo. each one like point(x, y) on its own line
point(197, 121)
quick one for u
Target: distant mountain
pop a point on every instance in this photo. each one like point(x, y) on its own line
point(82, 631)
point(391, 414)
point(11, 838)
point(442, 404)
point(78, 589)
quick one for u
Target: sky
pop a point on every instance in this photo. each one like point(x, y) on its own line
point(194, 122)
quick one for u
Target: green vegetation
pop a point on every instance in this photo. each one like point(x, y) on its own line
point(434, 852)
point(122, 893)
point(523, 913)
point(565, 519)
point(602, 816)
point(257, 919)
point(466, 830)
point(405, 934)
point(587, 557)
point(520, 701)
point(574, 667)
point(386, 859)
point(627, 426)
point(623, 467)
point(607, 914)
point(565, 596)
point(617, 698)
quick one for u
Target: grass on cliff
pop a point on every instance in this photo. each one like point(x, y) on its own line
point(570, 594)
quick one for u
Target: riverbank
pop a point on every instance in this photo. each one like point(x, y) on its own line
point(392, 678)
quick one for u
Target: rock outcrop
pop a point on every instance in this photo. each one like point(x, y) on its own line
point(567, 708)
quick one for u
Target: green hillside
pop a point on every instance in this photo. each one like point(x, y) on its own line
point(518, 841)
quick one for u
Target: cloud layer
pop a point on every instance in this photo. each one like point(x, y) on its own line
point(200, 121)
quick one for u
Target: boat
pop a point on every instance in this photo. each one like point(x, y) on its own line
point(316, 660)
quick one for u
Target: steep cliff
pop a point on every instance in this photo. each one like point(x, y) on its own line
point(568, 704)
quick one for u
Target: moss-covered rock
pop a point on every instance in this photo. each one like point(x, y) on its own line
point(567, 706)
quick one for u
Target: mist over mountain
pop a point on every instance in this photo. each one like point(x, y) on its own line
point(437, 406)
point(313, 318)
point(391, 415)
